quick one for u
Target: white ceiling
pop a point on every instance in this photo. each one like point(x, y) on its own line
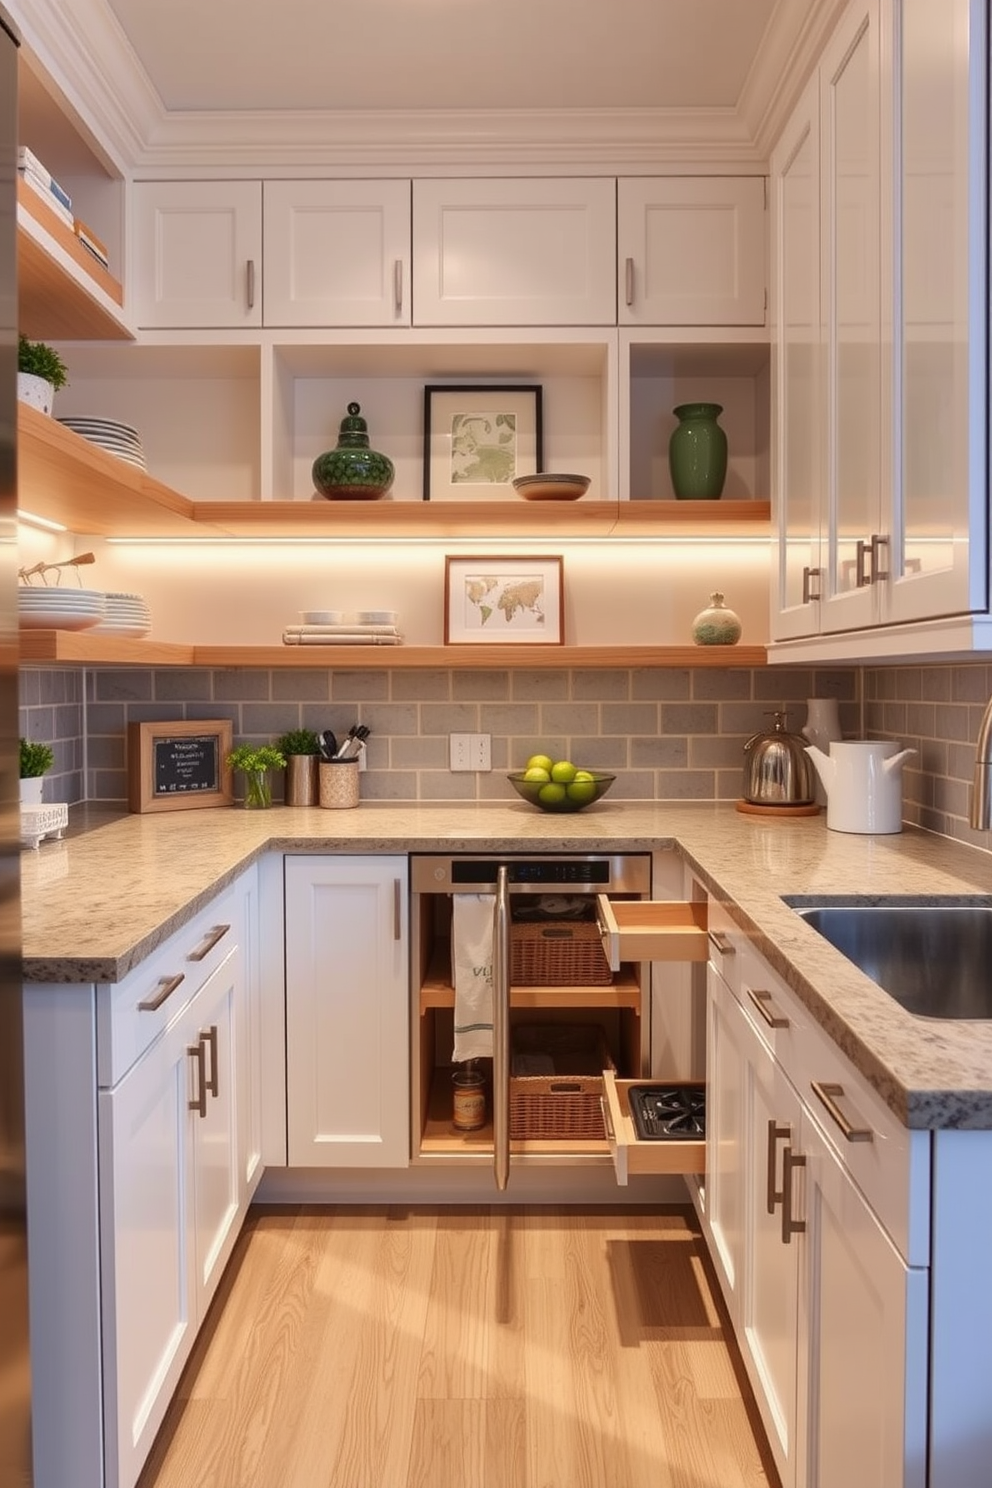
point(245, 83)
point(446, 54)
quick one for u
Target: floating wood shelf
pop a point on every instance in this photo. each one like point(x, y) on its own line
point(64, 293)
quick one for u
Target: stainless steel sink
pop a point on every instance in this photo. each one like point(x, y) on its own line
point(934, 959)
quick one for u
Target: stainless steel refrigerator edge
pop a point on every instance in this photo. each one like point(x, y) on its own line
point(15, 1370)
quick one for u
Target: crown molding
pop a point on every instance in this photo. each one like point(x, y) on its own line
point(784, 62)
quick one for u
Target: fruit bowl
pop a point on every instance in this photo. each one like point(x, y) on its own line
point(572, 797)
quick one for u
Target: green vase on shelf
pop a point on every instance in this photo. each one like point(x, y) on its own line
point(697, 452)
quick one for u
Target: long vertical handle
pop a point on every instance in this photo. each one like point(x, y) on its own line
point(209, 1040)
point(397, 909)
point(501, 1030)
point(628, 280)
point(790, 1226)
point(398, 286)
point(199, 1101)
point(250, 276)
point(773, 1194)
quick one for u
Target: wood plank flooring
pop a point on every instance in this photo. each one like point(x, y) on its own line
point(464, 1348)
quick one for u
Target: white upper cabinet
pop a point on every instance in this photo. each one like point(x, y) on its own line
point(514, 252)
point(337, 253)
point(692, 250)
point(196, 254)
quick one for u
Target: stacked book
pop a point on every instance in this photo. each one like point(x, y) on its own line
point(39, 178)
point(341, 635)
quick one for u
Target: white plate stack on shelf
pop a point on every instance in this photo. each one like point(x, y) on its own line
point(117, 439)
point(125, 615)
point(59, 609)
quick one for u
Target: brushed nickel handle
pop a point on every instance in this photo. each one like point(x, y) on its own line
point(861, 552)
point(721, 942)
point(628, 280)
point(199, 1100)
point(250, 277)
point(165, 989)
point(501, 1029)
point(209, 1040)
point(808, 575)
point(607, 1122)
point(790, 1226)
point(878, 542)
point(208, 942)
point(829, 1095)
point(763, 1002)
point(397, 909)
point(398, 286)
point(776, 1134)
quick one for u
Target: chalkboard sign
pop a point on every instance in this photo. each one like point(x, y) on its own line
point(175, 766)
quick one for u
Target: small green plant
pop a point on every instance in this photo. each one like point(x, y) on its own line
point(253, 757)
point(42, 361)
point(298, 741)
point(35, 759)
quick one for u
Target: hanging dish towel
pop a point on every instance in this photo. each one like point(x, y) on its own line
point(472, 966)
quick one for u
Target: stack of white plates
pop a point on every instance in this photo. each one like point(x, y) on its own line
point(126, 615)
point(118, 439)
point(60, 609)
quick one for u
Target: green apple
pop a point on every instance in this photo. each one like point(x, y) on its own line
point(581, 791)
point(551, 794)
point(536, 772)
point(540, 762)
point(563, 771)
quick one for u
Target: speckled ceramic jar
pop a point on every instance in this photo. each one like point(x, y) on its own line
point(717, 625)
point(352, 471)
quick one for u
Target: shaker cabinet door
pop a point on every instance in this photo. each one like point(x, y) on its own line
point(196, 254)
point(337, 253)
point(692, 250)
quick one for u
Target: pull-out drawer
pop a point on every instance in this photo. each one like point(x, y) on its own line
point(632, 1155)
point(652, 929)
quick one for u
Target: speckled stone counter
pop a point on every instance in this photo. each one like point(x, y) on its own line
point(95, 905)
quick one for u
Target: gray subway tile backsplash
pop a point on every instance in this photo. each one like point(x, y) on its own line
point(667, 733)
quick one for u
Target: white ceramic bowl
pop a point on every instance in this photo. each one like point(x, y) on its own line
point(377, 617)
point(322, 617)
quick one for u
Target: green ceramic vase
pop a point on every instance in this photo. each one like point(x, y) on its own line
point(697, 452)
point(352, 471)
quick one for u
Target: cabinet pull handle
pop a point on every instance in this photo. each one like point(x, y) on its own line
point(208, 942)
point(199, 1101)
point(763, 1002)
point(250, 277)
point(721, 942)
point(829, 1095)
point(398, 286)
point(878, 541)
point(776, 1134)
point(501, 1030)
point(165, 988)
point(628, 280)
point(808, 575)
point(607, 1123)
point(861, 552)
point(790, 1226)
point(209, 1040)
point(397, 909)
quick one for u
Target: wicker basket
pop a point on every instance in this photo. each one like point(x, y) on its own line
point(558, 953)
point(565, 1103)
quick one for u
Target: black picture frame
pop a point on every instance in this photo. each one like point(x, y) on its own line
point(448, 474)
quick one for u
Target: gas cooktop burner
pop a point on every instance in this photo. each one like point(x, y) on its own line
point(667, 1113)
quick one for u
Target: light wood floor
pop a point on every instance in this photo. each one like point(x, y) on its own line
point(468, 1348)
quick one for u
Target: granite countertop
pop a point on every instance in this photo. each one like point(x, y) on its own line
point(96, 904)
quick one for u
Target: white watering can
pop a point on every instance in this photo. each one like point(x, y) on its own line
point(863, 782)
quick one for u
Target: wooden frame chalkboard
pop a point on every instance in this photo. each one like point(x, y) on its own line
point(178, 766)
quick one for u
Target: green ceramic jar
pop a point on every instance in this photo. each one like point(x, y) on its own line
point(352, 471)
point(697, 452)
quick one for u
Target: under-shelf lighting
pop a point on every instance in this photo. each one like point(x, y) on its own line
point(475, 544)
point(31, 519)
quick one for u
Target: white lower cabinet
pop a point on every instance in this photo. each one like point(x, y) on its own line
point(816, 1208)
point(169, 1209)
point(347, 1021)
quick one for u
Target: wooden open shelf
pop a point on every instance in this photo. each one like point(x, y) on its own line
point(64, 293)
point(436, 991)
point(440, 1139)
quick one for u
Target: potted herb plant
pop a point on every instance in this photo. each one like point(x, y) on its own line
point(36, 760)
point(302, 750)
point(40, 373)
point(256, 762)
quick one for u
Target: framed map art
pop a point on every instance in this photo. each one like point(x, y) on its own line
point(478, 439)
point(499, 601)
